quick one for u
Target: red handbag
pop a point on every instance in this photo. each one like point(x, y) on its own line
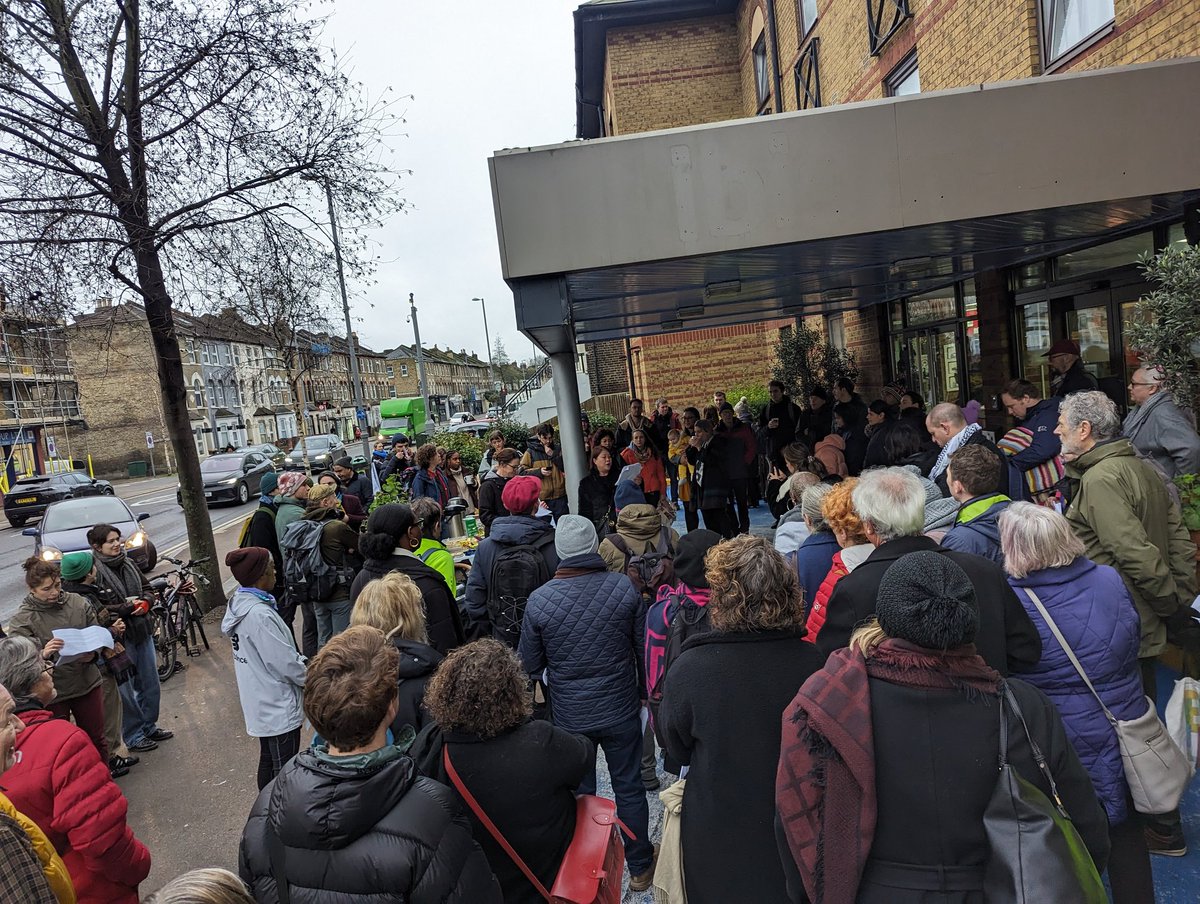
point(591, 869)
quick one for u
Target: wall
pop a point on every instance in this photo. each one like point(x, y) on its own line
point(608, 366)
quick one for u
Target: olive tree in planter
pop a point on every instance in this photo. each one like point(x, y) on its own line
point(804, 360)
point(1165, 327)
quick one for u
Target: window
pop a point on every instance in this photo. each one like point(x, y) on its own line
point(404, 370)
point(884, 18)
point(191, 350)
point(392, 392)
point(197, 394)
point(225, 354)
point(1066, 25)
point(807, 10)
point(762, 85)
point(837, 331)
point(1103, 257)
point(390, 372)
point(808, 77)
point(905, 78)
point(204, 352)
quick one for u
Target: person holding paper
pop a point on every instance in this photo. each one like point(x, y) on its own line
point(44, 609)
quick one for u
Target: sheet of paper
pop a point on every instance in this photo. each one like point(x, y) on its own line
point(630, 472)
point(79, 642)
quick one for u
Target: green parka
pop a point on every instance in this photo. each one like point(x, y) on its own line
point(38, 620)
point(1123, 515)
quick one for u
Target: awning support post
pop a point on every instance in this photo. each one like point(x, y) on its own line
point(570, 430)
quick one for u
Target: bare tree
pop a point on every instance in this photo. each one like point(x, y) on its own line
point(151, 132)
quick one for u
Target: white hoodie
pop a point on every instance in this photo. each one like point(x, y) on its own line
point(269, 669)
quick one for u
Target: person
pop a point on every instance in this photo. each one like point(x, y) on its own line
point(596, 492)
point(844, 394)
point(78, 571)
point(712, 481)
point(837, 510)
point(814, 557)
point(718, 399)
point(392, 535)
point(940, 511)
point(1158, 428)
point(793, 529)
point(857, 821)
point(1120, 510)
point(353, 819)
point(291, 501)
point(508, 540)
point(544, 459)
point(505, 465)
point(33, 872)
point(606, 438)
point(209, 885)
point(951, 432)
point(45, 609)
point(393, 604)
point(1066, 363)
point(1092, 609)
point(339, 549)
point(266, 664)
point(399, 461)
point(971, 477)
point(640, 532)
point(1032, 446)
point(461, 483)
point(831, 451)
point(720, 717)
point(586, 628)
point(685, 468)
point(260, 531)
point(743, 462)
point(850, 422)
point(353, 483)
point(891, 503)
point(634, 420)
point(881, 420)
point(777, 423)
point(641, 451)
point(429, 482)
point(487, 460)
point(431, 550)
point(523, 772)
point(662, 422)
point(62, 784)
point(796, 459)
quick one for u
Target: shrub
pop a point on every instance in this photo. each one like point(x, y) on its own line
point(602, 420)
point(804, 360)
point(1165, 327)
point(756, 395)
point(471, 448)
point(391, 491)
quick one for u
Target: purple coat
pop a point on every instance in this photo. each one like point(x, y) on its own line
point(1096, 615)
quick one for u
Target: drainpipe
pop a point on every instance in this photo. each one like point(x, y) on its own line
point(775, 81)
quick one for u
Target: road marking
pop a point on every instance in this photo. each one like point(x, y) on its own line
point(170, 497)
point(217, 528)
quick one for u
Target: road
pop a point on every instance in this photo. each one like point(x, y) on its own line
point(155, 496)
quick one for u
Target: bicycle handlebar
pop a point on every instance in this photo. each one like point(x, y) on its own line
point(185, 565)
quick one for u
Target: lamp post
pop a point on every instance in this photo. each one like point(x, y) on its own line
point(488, 339)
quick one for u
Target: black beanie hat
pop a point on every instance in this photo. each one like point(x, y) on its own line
point(926, 599)
point(689, 557)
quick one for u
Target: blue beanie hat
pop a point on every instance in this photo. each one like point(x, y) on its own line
point(628, 493)
point(270, 481)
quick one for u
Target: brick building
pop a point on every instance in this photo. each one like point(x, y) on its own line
point(951, 326)
point(456, 381)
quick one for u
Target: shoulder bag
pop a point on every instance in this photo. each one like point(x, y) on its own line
point(1036, 852)
point(1155, 768)
point(592, 867)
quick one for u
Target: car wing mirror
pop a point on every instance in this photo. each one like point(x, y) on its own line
point(142, 516)
point(29, 532)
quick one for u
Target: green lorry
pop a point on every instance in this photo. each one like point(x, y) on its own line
point(405, 416)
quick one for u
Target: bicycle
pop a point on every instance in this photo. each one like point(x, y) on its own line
point(177, 616)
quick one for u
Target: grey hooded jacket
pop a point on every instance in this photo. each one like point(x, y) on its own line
point(1161, 430)
point(268, 667)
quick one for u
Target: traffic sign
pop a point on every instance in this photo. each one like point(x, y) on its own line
point(50, 449)
point(149, 440)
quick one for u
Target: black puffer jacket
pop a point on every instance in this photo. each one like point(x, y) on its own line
point(379, 834)
point(418, 662)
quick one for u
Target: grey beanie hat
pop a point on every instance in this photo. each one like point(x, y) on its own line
point(926, 599)
point(574, 535)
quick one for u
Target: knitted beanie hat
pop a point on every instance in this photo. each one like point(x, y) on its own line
point(574, 535)
point(926, 599)
point(628, 493)
point(248, 564)
point(689, 557)
point(76, 566)
point(270, 481)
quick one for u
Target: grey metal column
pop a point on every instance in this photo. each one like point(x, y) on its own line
point(570, 430)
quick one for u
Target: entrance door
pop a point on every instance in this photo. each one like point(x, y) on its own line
point(935, 368)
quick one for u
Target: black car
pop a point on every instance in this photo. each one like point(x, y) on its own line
point(30, 496)
point(232, 476)
point(271, 451)
point(65, 525)
point(322, 451)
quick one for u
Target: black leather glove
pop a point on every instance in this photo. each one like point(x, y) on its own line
point(1183, 629)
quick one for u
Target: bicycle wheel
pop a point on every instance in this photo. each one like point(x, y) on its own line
point(196, 622)
point(164, 644)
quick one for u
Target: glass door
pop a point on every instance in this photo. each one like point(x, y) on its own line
point(934, 363)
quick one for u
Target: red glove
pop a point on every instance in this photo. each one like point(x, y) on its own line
point(141, 607)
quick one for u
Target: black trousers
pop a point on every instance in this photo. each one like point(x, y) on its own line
point(1129, 872)
point(719, 521)
point(691, 517)
point(308, 641)
point(273, 754)
point(741, 499)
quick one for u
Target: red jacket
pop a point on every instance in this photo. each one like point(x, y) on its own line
point(62, 785)
point(844, 562)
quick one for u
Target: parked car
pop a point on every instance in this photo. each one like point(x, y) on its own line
point(323, 451)
point(461, 417)
point(272, 452)
point(65, 524)
point(30, 496)
point(231, 477)
point(475, 428)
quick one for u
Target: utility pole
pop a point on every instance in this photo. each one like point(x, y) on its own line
point(420, 353)
point(356, 383)
point(488, 339)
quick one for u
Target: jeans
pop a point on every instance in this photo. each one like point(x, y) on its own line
point(558, 507)
point(622, 746)
point(140, 695)
point(274, 752)
point(333, 617)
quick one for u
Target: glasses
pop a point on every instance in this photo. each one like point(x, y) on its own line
point(1136, 383)
point(48, 667)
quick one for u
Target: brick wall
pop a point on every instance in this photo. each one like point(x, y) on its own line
point(608, 367)
point(865, 335)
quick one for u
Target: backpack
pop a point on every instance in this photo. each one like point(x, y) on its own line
point(650, 570)
point(688, 619)
point(244, 533)
point(517, 571)
point(308, 578)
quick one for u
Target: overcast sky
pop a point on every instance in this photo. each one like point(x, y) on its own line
point(484, 76)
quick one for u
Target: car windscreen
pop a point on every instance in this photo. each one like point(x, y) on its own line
point(220, 464)
point(313, 444)
point(76, 513)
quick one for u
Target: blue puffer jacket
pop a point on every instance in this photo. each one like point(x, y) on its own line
point(814, 558)
point(1094, 612)
point(1040, 420)
point(586, 628)
point(977, 529)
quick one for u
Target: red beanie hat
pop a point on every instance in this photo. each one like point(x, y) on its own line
point(520, 495)
point(249, 564)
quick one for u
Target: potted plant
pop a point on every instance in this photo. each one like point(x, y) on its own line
point(1189, 503)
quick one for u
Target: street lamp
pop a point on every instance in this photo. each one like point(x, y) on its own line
point(488, 339)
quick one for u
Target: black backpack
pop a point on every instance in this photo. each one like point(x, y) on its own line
point(651, 569)
point(308, 578)
point(517, 571)
point(689, 619)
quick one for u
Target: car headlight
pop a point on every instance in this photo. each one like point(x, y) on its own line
point(50, 554)
point(137, 541)
point(229, 481)
point(322, 455)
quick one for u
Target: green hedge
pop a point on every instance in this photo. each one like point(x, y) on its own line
point(471, 448)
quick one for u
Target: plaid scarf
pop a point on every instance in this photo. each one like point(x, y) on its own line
point(825, 786)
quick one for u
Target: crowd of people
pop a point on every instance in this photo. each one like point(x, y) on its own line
point(929, 598)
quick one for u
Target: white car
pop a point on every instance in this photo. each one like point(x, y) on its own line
point(461, 417)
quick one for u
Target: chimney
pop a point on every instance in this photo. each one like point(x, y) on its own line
point(104, 301)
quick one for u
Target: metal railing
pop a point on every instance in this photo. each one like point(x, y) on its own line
point(529, 387)
point(31, 366)
point(28, 410)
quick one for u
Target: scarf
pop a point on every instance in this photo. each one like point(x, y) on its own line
point(464, 491)
point(825, 785)
point(956, 442)
point(118, 574)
